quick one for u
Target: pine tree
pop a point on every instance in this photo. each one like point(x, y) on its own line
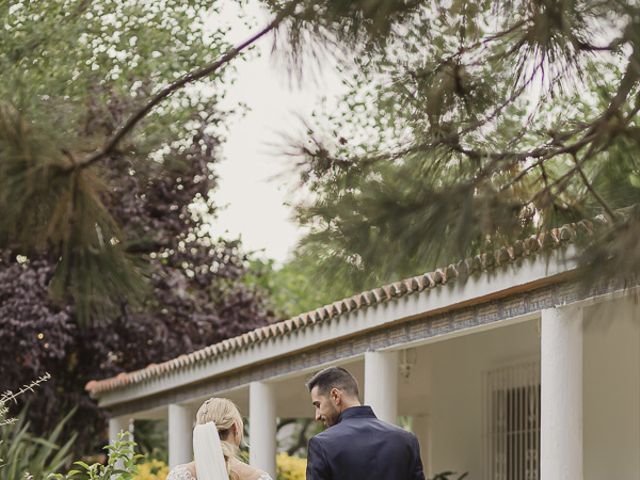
point(468, 125)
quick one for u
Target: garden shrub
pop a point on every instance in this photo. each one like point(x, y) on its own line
point(24, 453)
point(121, 463)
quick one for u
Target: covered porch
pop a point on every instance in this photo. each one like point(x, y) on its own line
point(511, 376)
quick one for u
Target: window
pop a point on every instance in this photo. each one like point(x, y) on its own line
point(512, 423)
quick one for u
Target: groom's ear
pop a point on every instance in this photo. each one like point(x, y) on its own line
point(335, 395)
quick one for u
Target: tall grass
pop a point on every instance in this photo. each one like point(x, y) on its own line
point(22, 454)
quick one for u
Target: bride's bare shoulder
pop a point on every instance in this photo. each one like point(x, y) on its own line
point(186, 471)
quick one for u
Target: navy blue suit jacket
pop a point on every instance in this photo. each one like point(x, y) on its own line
point(362, 447)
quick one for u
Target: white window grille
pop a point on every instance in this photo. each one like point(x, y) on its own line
point(512, 422)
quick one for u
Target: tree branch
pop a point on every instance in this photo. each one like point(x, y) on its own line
point(173, 87)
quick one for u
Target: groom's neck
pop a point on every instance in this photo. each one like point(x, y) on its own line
point(351, 402)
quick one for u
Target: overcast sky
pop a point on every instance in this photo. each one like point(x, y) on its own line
point(254, 200)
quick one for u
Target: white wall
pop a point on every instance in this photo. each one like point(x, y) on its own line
point(612, 391)
point(456, 411)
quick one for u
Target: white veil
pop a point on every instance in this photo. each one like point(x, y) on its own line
point(207, 451)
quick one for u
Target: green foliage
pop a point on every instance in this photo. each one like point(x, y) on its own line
point(291, 288)
point(23, 452)
point(59, 108)
point(121, 463)
point(152, 439)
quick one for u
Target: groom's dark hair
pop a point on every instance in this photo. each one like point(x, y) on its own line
point(334, 377)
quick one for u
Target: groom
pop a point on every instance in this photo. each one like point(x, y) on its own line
point(356, 445)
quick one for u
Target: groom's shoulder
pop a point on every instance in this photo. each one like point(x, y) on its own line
point(332, 432)
point(395, 429)
point(326, 434)
point(370, 427)
point(398, 434)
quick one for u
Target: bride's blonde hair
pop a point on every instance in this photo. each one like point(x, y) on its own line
point(224, 414)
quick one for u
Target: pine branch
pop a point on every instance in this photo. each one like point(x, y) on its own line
point(629, 80)
point(483, 43)
point(599, 199)
point(563, 181)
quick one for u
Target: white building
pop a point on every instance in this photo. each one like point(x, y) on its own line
point(507, 365)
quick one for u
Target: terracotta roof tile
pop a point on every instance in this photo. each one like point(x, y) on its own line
point(567, 233)
point(331, 310)
point(368, 298)
point(503, 256)
point(280, 328)
point(584, 227)
point(439, 277)
point(601, 219)
point(476, 264)
point(451, 272)
point(342, 306)
point(428, 280)
point(464, 268)
point(532, 244)
point(518, 249)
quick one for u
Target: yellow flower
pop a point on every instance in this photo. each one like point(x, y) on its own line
point(151, 470)
point(290, 468)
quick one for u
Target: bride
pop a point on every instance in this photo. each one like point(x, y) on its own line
point(216, 438)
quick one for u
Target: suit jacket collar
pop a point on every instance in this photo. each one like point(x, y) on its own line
point(363, 411)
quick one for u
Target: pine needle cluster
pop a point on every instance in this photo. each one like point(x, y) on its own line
point(50, 207)
point(466, 126)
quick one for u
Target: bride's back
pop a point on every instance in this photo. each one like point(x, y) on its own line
point(239, 471)
point(247, 472)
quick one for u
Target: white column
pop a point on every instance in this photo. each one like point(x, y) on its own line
point(561, 456)
point(422, 430)
point(181, 418)
point(381, 384)
point(117, 425)
point(262, 427)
